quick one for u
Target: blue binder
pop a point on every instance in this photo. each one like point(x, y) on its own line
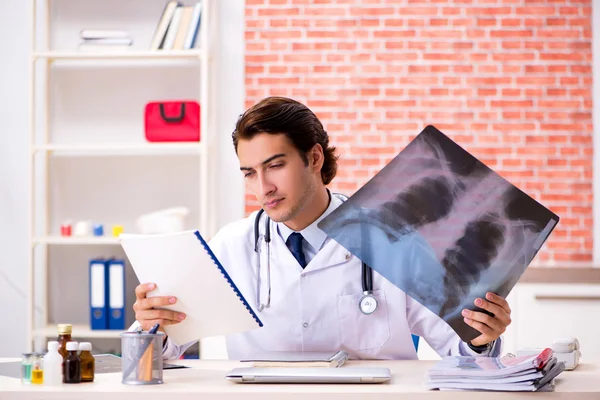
point(98, 279)
point(116, 297)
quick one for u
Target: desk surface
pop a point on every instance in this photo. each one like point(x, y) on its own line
point(206, 377)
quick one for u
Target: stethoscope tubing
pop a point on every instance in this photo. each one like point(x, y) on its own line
point(366, 271)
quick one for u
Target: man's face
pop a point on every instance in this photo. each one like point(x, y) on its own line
point(277, 175)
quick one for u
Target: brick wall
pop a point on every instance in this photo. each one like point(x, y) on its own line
point(510, 80)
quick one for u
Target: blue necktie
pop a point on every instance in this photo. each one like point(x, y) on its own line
point(295, 241)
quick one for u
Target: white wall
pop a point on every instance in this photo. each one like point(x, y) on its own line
point(15, 39)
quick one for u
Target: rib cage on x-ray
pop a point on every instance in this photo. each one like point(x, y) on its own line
point(482, 230)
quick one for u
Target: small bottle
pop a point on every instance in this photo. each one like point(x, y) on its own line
point(26, 367)
point(87, 362)
point(53, 369)
point(64, 336)
point(37, 369)
point(72, 364)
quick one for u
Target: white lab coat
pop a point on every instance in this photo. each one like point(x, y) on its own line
point(316, 309)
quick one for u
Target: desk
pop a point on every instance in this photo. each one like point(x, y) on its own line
point(205, 380)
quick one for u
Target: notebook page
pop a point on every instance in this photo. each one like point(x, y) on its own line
point(180, 266)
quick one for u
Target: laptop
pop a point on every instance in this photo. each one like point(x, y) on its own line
point(309, 375)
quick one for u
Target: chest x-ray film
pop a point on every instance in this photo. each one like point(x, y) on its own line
point(443, 227)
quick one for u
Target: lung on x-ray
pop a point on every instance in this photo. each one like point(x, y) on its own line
point(443, 227)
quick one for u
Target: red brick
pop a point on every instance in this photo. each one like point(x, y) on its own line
point(375, 77)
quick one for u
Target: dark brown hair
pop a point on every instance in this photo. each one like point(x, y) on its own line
point(280, 115)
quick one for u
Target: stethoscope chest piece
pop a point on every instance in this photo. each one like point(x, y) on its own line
point(367, 303)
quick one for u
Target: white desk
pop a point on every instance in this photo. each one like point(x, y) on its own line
point(205, 380)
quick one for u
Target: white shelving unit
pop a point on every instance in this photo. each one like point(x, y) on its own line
point(67, 143)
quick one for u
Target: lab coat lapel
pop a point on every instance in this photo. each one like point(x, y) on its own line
point(331, 255)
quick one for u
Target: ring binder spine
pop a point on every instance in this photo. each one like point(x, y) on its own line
point(228, 278)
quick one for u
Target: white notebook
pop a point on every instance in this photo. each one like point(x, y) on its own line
point(182, 265)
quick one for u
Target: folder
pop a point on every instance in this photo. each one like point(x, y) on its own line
point(116, 296)
point(183, 265)
point(192, 34)
point(98, 294)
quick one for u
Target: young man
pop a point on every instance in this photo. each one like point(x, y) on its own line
point(310, 302)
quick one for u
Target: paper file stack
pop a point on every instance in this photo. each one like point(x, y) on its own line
point(508, 373)
point(104, 40)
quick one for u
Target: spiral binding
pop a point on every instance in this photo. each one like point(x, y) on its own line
point(228, 278)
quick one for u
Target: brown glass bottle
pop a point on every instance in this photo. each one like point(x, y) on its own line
point(64, 336)
point(87, 362)
point(72, 364)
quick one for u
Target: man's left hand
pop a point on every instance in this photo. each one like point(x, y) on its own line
point(491, 327)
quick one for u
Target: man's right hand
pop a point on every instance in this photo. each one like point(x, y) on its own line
point(146, 313)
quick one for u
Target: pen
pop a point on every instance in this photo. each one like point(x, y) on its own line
point(145, 344)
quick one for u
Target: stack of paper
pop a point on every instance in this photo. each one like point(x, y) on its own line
point(508, 373)
point(104, 40)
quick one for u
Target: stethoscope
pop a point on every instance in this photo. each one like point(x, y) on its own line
point(367, 303)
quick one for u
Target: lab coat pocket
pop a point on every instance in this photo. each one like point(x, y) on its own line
point(360, 331)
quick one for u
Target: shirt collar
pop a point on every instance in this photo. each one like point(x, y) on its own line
point(312, 233)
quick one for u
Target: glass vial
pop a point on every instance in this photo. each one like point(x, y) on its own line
point(87, 362)
point(37, 369)
point(64, 336)
point(72, 364)
point(26, 367)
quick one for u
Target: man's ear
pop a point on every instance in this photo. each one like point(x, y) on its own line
point(317, 157)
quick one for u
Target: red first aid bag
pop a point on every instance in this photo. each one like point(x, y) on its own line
point(172, 121)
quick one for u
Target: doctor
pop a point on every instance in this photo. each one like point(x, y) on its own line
point(307, 287)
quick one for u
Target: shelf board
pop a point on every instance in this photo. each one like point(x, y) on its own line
point(79, 331)
point(120, 55)
point(76, 240)
point(122, 148)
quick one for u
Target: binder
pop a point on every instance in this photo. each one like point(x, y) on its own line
point(98, 278)
point(163, 25)
point(116, 296)
point(183, 265)
point(192, 34)
point(173, 27)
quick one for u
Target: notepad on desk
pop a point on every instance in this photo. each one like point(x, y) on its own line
point(183, 265)
point(298, 359)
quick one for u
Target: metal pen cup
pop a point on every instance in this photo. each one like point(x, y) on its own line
point(141, 358)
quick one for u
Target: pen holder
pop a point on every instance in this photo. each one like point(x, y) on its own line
point(141, 358)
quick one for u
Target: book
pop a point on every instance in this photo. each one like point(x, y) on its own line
point(298, 359)
point(108, 42)
point(190, 40)
point(163, 24)
point(94, 48)
point(187, 13)
point(507, 373)
point(90, 34)
point(172, 31)
point(183, 265)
